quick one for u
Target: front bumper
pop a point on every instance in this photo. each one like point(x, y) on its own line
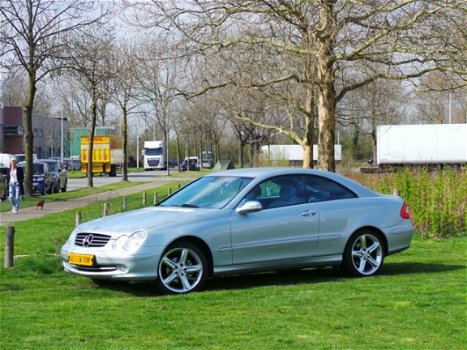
point(113, 265)
point(38, 187)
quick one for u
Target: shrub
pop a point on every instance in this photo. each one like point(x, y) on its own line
point(437, 199)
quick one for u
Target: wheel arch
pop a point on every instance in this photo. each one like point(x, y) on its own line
point(375, 231)
point(198, 242)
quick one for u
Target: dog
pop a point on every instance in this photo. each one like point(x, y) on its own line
point(40, 203)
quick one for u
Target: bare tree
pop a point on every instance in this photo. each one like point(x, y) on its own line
point(156, 86)
point(90, 62)
point(124, 90)
point(389, 38)
point(380, 102)
point(13, 93)
point(32, 35)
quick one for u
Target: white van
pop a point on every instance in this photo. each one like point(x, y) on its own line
point(5, 159)
point(21, 157)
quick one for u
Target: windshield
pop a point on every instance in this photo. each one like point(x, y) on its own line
point(38, 169)
point(208, 192)
point(52, 166)
point(153, 151)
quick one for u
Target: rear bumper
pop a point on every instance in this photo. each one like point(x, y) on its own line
point(399, 237)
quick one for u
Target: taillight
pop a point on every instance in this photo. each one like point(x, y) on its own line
point(405, 211)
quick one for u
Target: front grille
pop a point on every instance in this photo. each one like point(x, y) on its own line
point(153, 162)
point(91, 240)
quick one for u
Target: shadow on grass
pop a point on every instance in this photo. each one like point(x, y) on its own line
point(287, 277)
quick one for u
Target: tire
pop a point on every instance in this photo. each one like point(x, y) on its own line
point(183, 268)
point(363, 254)
point(113, 170)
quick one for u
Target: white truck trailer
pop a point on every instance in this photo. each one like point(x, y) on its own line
point(294, 153)
point(154, 155)
point(426, 144)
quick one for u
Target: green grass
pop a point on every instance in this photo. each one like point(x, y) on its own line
point(418, 302)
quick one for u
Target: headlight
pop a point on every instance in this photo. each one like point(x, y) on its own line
point(71, 239)
point(131, 243)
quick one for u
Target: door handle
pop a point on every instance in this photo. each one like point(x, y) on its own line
point(309, 212)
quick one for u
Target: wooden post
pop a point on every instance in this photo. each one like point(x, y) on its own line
point(155, 198)
point(9, 246)
point(144, 199)
point(105, 212)
point(78, 218)
point(170, 191)
point(178, 186)
point(396, 192)
point(124, 203)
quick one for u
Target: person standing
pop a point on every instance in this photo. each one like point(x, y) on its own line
point(15, 180)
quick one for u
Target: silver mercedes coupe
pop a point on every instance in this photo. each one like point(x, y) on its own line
point(243, 221)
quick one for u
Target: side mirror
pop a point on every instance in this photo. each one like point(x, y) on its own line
point(249, 207)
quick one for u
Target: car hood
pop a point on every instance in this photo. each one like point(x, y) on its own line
point(147, 219)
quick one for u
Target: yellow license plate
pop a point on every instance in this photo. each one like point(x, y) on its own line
point(81, 259)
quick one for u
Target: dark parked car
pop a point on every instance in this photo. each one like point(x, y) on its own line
point(42, 181)
point(190, 163)
point(240, 221)
point(3, 184)
point(59, 175)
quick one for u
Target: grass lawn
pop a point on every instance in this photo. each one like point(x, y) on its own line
point(418, 302)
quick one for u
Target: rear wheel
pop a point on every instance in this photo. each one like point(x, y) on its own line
point(182, 269)
point(364, 254)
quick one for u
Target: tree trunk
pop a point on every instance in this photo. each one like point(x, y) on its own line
point(29, 135)
point(125, 144)
point(327, 125)
point(327, 93)
point(251, 154)
point(91, 138)
point(178, 152)
point(309, 130)
point(240, 157)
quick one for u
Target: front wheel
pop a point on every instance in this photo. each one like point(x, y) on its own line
point(182, 269)
point(363, 255)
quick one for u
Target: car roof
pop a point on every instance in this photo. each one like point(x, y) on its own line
point(264, 173)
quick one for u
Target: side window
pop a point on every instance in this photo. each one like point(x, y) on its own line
point(279, 191)
point(322, 189)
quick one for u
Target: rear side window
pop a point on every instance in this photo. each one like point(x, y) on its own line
point(322, 189)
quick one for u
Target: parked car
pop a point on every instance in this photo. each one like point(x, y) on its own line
point(55, 168)
point(3, 185)
point(191, 163)
point(72, 164)
point(59, 173)
point(42, 181)
point(244, 220)
point(173, 162)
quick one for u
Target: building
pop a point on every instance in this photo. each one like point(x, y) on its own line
point(47, 133)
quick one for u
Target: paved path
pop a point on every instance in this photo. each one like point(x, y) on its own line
point(58, 206)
